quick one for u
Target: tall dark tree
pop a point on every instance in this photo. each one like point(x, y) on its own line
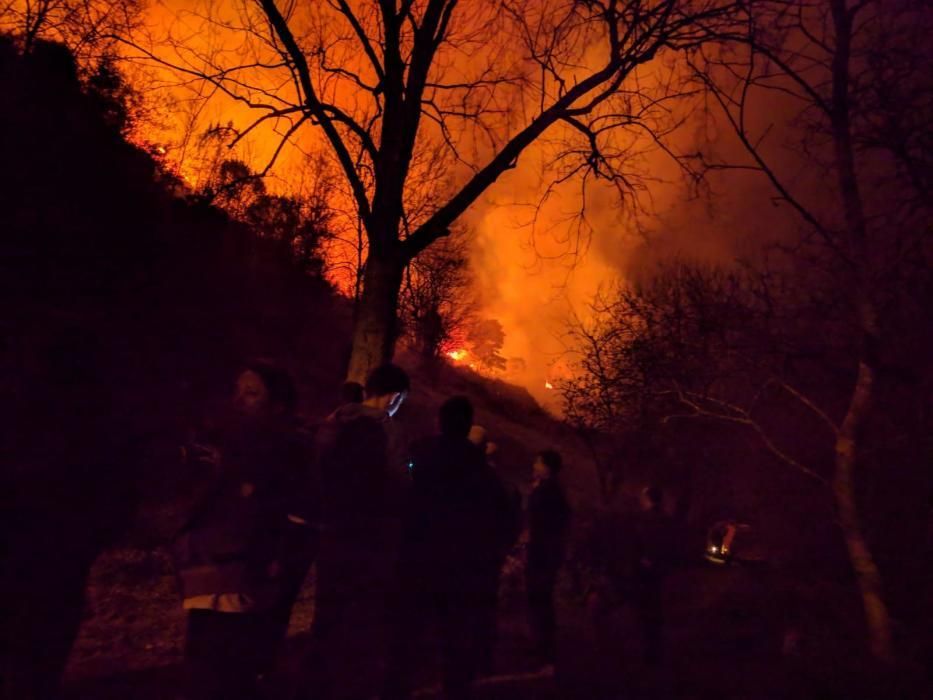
point(425, 104)
point(857, 75)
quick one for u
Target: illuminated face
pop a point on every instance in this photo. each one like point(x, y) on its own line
point(252, 396)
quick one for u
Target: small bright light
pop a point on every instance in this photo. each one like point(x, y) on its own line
point(714, 549)
point(548, 385)
point(457, 355)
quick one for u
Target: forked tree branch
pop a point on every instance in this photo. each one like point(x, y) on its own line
point(316, 108)
point(731, 413)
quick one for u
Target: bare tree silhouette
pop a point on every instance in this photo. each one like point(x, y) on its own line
point(86, 27)
point(424, 105)
point(858, 73)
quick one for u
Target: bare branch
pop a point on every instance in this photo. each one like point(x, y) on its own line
point(315, 107)
point(731, 413)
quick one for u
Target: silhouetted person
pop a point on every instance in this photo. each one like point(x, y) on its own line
point(249, 541)
point(450, 550)
point(548, 518)
point(360, 491)
point(655, 551)
point(509, 529)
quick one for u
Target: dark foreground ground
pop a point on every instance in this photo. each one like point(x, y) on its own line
point(724, 637)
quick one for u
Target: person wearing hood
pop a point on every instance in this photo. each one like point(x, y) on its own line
point(241, 539)
point(361, 487)
point(453, 532)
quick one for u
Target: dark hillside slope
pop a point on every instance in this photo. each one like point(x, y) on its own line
point(122, 311)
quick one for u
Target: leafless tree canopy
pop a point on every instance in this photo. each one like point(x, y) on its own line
point(86, 27)
point(424, 104)
point(855, 76)
point(700, 342)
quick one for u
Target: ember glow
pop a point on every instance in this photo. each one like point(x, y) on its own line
point(457, 355)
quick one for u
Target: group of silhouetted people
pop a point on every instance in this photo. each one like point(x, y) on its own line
point(403, 538)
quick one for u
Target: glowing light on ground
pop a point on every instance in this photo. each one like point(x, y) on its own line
point(457, 355)
point(548, 385)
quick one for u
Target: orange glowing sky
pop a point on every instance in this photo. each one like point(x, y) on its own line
point(530, 277)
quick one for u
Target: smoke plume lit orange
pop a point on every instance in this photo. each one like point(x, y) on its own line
point(535, 266)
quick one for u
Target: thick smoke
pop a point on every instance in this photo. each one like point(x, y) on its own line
point(536, 275)
point(537, 267)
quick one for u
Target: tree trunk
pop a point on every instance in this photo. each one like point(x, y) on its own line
point(866, 571)
point(375, 327)
point(863, 564)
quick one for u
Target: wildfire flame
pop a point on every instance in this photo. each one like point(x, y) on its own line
point(510, 294)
